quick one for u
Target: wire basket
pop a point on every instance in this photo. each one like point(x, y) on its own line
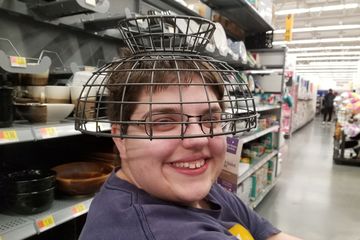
point(152, 93)
point(108, 97)
point(164, 33)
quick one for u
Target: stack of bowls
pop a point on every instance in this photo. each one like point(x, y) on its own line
point(29, 191)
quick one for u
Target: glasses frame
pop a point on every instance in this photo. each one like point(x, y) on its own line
point(148, 123)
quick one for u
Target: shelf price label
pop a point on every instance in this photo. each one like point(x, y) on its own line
point(8, 136)
point(48, 132)
point(16, 61)
point(78, 209)
point(45, 223)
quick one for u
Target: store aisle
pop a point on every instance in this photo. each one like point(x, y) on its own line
point(315, 199)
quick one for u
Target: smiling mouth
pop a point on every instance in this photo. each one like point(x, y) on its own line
point(189, 165)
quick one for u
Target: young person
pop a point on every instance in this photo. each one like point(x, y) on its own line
point(168, 127)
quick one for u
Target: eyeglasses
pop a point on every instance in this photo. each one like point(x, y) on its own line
point(176, 124)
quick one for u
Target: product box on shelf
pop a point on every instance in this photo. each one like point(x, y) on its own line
point(271, 170)
point(244, 190)
point(233, 155)
point(228, 180)
point(259, 181)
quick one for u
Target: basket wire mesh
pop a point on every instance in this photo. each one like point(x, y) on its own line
point(167, 59)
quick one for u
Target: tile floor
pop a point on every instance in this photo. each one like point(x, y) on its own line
point(314, 198)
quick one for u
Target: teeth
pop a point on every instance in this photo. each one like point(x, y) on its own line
point(191, 165)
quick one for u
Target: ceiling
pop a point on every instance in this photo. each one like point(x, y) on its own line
point(325, 41)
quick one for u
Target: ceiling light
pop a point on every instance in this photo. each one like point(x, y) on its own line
point(322, 40)
point(326, 58)
point(327, 71)
point(321, 28)
point(326, 54)
point(308, 49)
point(326, 67)
point(317, 9)
point(347, 63)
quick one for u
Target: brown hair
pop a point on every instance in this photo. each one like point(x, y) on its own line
point(133, 75)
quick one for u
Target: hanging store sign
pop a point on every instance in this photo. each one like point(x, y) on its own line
point(289, 23)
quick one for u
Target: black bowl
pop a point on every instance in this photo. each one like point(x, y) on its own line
point(30, 203)
point(30, 180)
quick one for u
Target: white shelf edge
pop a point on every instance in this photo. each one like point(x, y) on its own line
point(39, 68)
point(61, 211)
point(33, 132)
point(248, 138)
point(23, 230)
point(261, 108)
point(259, 163)
point(255, 203)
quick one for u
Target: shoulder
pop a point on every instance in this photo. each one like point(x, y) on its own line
point(113, 215)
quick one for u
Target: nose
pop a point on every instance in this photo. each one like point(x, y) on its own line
point(197, 142)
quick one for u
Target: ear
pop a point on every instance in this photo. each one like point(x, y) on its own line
point(119, 142)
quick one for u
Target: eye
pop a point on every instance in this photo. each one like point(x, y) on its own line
point(164, 122)
point(212, 117)
point(211, 120)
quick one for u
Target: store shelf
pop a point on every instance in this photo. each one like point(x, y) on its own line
point(24, 132)
point(171, 5)
point(265, 71)
point(11, 64)
point(258, 163)
point(13, 226)
point(253, 204)
point(242, 13)
point(253, 136)
point(63, 8)
point(262, 108)
point(305, 99)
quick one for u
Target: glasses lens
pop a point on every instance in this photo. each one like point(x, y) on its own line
point(163, 124)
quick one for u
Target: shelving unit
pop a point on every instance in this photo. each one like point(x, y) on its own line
point(33, 132)
point(256, 165)
point(62, 8)
point(8, 64)
point(16, 227)
point(271, 80)
point(242, 13)
point(258, 200)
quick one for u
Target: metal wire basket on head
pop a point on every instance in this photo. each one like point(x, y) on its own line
point(154, 96)
point(166, 33)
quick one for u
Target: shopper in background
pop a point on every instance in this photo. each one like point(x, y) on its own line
point(166, 188)
point(328, 106)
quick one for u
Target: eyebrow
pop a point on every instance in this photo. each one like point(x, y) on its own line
point(178, 110)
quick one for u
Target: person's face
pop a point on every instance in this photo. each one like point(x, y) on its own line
point(173, 169)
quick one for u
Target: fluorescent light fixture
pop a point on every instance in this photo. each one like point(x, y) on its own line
point(326, 58)
point(348, 53)
point(308, 49)
point(321, 40)
point(326, 67)
point(347, 63)
point(327, 71)
point(321, 28)
point(317, 9)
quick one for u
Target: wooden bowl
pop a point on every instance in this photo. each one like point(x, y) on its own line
point(81, 178)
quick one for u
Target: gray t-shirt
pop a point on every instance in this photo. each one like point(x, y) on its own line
point(122, 211)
